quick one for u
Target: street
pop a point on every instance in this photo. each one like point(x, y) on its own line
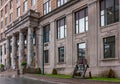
point(17, 80)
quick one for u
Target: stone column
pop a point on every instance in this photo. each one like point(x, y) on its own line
point(8, 53)
point(14, 50)
point(21, 48)
point(30, 48)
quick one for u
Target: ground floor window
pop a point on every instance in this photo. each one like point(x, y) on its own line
point(109, 47)
point(61, 54)
point(46, 56)
point(81, 50)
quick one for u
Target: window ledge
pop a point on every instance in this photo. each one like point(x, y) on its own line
point(109, 59)
point(46, 64)
point(112, 24)
point(61, 39)
point(61, 63)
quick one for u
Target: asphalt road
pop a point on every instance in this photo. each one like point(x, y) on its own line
point(17, 80)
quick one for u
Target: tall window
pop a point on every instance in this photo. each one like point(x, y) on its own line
point(81, 50)
point(109, 11)
point(61, 54)
point(33, 2)
point(2, 2)
point(25, 5)
point(4, 48)
point(11, 17)
point(11, 4)
point(18, 11)
point(61, 28)
point(6, 21)
point(109, 47)
point(6, 7)
point(17, 1)
point(34, 37)
point(47, 7)
point(46, 32)
point(46, 56)
point(61, 2)
point(2, 13)
point(1, 24)
point(81, 21)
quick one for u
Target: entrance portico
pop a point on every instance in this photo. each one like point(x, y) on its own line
point(24, 25)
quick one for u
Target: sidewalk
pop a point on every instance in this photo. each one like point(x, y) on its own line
point(64, 81)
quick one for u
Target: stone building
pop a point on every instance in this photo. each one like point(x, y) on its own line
point(61, 30)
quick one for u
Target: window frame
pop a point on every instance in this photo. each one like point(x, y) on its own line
point(85, 9)
point(109, 43)
point(59, 54)
point(47, 8)
point(46, 60)
point(45, 28)
point(105, 13)
point(59, 28)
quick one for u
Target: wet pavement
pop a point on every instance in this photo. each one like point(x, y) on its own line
point(19, 80)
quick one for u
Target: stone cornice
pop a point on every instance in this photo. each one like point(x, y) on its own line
point(28, 17)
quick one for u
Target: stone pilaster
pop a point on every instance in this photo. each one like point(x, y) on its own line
point(21, 48)
point(8, 63)
point(14, 48)
point(30, 47)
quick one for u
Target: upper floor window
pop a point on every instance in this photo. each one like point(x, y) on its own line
point(11, 4)
point(2, 13)
point(81, 21)
point(6, 21)
point(109, 47)
point(33, 2)
point(61, 28)
point(6, 9)
point(109, 11)
point(47, 7)
point(17, 1)
point(11, 17)
point(4, 48)
point(1, 24)
point(25, 5)
point(2, 1)
point(46, 32)
point(18, 11)
point(61, 2)
point(61, 54)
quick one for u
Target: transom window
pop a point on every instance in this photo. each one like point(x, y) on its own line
point(61, 28)
point(81, 50)
point(47, 7)
point(109, 11)
point(61, 54)
point(61, 2)
point(109, 47)
point(81, 21)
